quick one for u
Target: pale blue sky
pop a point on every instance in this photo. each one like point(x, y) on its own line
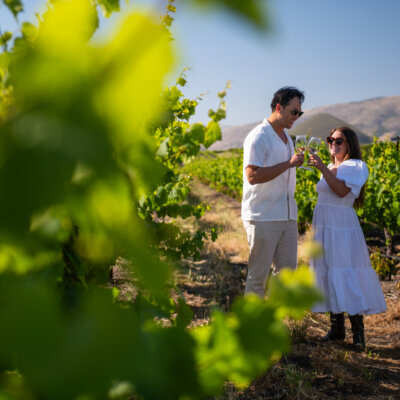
point(336, 51)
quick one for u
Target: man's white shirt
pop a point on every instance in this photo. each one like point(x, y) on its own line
point(273, 200)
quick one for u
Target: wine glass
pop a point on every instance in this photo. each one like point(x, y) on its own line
point(301, 146)
point(314, 145)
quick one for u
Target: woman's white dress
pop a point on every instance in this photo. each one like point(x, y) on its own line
point(344, 272)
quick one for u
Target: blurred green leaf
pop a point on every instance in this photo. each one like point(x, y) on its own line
point(5, 38)
point(34, 329)
point(222, 94)
point(108, 6)
point(213, 133)
point(197, 132)
point(252, 11)
point(181, 81)
point(293, 292)
point(171, 8)
point(235, 346)
point(29, 31)
point(15, 6)
point(185, 314)
point(163, 149)
point(167, 20)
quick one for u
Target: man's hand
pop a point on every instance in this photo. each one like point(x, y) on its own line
point(296, 160)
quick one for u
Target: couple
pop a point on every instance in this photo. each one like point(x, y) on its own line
point(269, 212)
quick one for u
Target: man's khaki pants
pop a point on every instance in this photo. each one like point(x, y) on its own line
point(270, 242)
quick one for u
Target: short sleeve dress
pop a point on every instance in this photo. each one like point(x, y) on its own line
point(344, 272)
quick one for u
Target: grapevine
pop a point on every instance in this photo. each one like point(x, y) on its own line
point(90, 147)
point(382, 190)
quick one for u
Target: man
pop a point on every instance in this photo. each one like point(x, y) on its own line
point(269, 211)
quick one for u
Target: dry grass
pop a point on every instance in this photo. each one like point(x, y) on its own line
point(313, 369)
point(224, 212)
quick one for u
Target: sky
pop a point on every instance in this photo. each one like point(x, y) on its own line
point(335, 51)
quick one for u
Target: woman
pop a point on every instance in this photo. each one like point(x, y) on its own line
point(344, 272)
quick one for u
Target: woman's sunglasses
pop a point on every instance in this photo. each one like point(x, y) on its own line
point(332, 140)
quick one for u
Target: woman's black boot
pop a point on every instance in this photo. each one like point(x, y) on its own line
point(357, 327)
point(337, 331)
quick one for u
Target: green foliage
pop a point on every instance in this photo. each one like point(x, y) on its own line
point(108, 6)
point(385, 267)
point(68, 143)
point(109, 342)
point(235, 347)
point(382, 190)
point(15, 6)
point(177, 141)
point(114, 342)
point(90, 148)
point(222, 172)
point(252, 10)
point(167, 20)
point(5, 38)
point(289, 292)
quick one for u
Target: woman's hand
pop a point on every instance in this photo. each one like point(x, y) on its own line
point(338, 186)
point(315, 161)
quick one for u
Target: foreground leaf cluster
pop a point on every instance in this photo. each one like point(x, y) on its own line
point(91, 145)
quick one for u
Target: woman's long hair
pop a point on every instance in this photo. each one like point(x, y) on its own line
point(353, 152)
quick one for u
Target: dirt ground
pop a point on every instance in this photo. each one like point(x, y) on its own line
point(313, 369)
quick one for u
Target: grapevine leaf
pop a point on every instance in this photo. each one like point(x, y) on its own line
point(213, 133)
point(222, 94)
point(5, 38)
point(293, 292)
point(132, 90)
point(29, 31)
point(250, 10)
point(181, 81)
point(167, 20)
point(15, 6)
point(185, 211)
point(233, 347)
point(171, 8)
point(161, 195)
point(197, 132)
point(108, 6)
point(185, 314)
point(163, 149)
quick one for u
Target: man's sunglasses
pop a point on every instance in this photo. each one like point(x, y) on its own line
point(332, 140)
point(296, 113)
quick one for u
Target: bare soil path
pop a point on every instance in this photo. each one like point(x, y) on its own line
point(312, 369)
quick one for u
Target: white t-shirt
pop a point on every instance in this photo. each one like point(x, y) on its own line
point(273, 200)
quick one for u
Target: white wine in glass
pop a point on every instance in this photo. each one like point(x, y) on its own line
point(314, 145)
point(301, 146)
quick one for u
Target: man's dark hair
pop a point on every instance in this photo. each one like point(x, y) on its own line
point(284, 95)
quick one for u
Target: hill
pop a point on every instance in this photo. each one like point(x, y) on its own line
point(379, 116)
point(320, 125)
